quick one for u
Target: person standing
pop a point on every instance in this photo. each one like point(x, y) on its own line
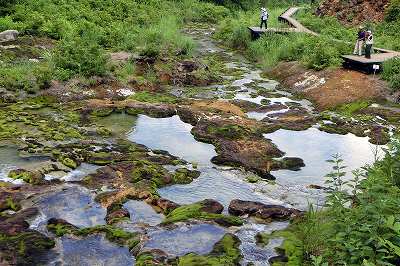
point(369, 42)
point(264, 17)
point(358, 49)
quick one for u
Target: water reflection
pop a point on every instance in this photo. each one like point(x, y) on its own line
point(173, 135)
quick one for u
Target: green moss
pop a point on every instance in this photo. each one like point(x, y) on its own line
point(69, 163)
point(262, 238)
point(24, 247)
point(149, 171)
point(228, 131)
point(59, 229)
point(349, 109)
point(152, 97)
point(333, 129)
point(102, 112)
point(253, 179)
point(10, 204)
point(30, 177)
point(184, 176)
point(113, 234)
point(194, 211)
point(100, 158)
point(226, 252)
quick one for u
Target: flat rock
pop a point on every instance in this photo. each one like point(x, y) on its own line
point(261, 210)
point(8, 35)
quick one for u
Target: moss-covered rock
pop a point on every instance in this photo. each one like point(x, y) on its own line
point(226, 252)
point(199, 211)
point(114, 234)
point(184, 176)
point(31, 177)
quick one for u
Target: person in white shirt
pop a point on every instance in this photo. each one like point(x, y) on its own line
point(369, 42)
point(264, 17)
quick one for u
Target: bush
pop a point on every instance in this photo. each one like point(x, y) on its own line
point(79, 55)
point(391, 73)
point(29, 77)
point(393, 11)
point(359, 225)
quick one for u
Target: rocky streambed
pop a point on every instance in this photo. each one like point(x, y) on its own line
point(201, 180)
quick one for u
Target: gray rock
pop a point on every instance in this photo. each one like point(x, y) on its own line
point(8, 35)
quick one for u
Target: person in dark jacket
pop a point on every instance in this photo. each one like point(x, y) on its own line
point(358, 49)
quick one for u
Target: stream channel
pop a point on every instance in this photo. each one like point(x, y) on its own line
point(76, 204)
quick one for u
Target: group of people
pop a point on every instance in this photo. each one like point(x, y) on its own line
point(365, 38)
point(365, 41)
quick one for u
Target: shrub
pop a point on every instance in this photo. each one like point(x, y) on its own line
point(79, 55)
point(391, 73)
point(393, 11)
point(30, 77)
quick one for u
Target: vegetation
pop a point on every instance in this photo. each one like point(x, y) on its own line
point(360, 224)
point(86, 31)
point(194, 211)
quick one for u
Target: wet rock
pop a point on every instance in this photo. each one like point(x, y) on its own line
point(225, 252)
point(290, 163)
point(116, 212)
point(18, 244)
point(8, 35)
point(204, 210)
point(10, 200)
point(152, 257)
point(165, 205)
point(312, 186)
point(261, 210)
point(238, 145)
point(211, 206)
point(278, 259)
point(31, 177)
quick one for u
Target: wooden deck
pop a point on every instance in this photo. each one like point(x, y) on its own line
point(360, 63)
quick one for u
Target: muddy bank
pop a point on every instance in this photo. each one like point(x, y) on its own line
point(331, 87)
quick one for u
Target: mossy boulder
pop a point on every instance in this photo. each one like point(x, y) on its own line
point(114, 234)
point(31, 177)
point(208, 210)
point(225, 252)
point(69, 163)
point(184, 176)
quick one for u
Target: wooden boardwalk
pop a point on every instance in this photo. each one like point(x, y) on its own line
point(351, 61)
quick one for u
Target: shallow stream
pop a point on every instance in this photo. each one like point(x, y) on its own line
point(224, 184)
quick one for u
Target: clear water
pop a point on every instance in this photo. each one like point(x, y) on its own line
point(10, 160)
point(74, 204)
point(75, 175)
point(141, 212)
point(187, 238)
point(173, 135)
point(215, 183)
point(315, 147)
point(255, 253)
point(120, 124)
point(93, 250)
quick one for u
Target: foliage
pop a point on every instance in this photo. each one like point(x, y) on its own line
point(79, 55)
point(357, 227)
point(391, 73)
point(153, 97)
point(87, 29)
point(393, 11)
point(25, 76)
